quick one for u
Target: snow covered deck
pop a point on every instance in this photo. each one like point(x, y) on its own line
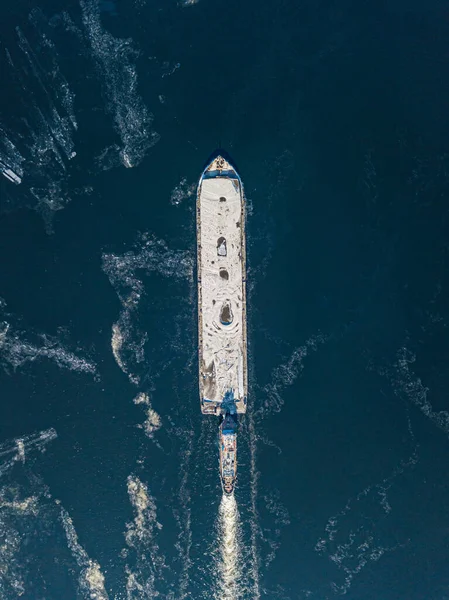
point(221, 288)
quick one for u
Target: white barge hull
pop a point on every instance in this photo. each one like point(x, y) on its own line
point(221, 289)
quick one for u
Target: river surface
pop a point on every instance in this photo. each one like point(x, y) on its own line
point(336, 116)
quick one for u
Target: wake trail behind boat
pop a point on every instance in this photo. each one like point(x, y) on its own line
point(229, 541)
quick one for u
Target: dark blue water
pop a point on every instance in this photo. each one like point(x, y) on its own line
point(335, 114)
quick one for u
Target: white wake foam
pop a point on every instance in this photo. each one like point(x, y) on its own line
point(408, 385)
point(153, 421)
point(141, 538)
point(11, 159)
point(43, 112)
point(183, 191)
point(15, 512)
point(28, 519)
point(281, 517)
point(23, 517)
point(229, 541)
point(125, 340)
point(114, 59)
point(17, 450)
point(15, 351)
point(287, 373)
point(183, 516)
point(254, 521)
point(149, 255)
point(91, 579)
point(351, 541)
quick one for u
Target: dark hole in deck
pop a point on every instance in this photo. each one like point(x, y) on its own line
point(224, 274)
point(222, 199)
point(221, 246)
point(226, 314)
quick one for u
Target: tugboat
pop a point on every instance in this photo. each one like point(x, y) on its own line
point(228, 453)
